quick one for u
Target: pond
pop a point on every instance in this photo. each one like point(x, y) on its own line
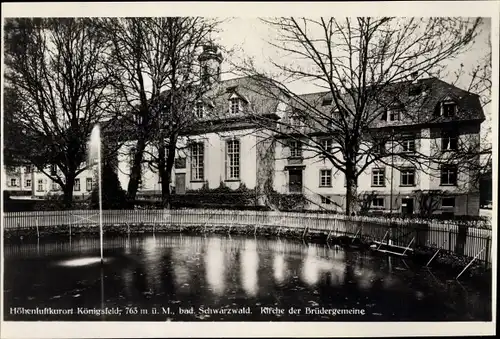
point(205, 278)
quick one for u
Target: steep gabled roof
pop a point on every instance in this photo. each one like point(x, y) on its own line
point(259, 100)
point(419, 101)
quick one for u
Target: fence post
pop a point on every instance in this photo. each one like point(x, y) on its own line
point(487, 255)
point(449, 238)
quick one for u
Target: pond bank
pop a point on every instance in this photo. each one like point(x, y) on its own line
point(445, 261)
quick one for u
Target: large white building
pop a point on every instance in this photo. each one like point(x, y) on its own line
point(226, 146)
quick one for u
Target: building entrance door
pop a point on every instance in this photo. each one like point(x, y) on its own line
point(180, 183)
point(407, 206)
point(295, 181)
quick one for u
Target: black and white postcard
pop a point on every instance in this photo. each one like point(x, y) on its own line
point(249, 169)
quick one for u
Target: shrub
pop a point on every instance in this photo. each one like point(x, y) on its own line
point(221, 189)
point(113, 196)
point(288, 202)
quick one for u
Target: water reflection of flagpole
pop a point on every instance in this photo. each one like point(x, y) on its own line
point(102, 291)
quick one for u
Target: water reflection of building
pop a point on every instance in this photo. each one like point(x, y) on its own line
point(249, 267)
point(310, 273)
point(215, 265)
point(279, 263)
point(186, 256)
point(319, 262)
point(338, 261)
point(181, 267)
point(152, 262)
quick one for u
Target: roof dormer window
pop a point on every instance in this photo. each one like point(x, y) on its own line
point(296, 118)
point(393, 114)
point(235, 105)
point(449, 109)
point(415, 90)
point(326, 102)
point(200, 110)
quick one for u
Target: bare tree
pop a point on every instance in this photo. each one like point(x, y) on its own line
point(56, 69)
point(477, 153)
point(158, 78)
point(364, 69)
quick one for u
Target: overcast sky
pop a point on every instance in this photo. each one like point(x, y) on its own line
point(249, 36)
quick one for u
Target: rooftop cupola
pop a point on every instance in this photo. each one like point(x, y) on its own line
point(210, 62)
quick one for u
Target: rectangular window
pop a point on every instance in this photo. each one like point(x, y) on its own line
point(394, 114)
point(408, 177)
point(53, 169)
point(40, 186)
point(28, 183)
point(449, 175)
point(326, 102)
point(448, 202)
point(296, 118)
point(379, 148)
point(13, 182)
point(326, 200)
point(326, 144)
point(89, 184)
point(449, 141)
point(232, 160)
point(197, 161)
point(235, 105)
point(378, 177)
point(138, 118)
point(76, 187)
point(28, 169)
point(408, 145)
point(295, 149)
point(54, 186)
point(325, 178)
point(200, 110)
point(378, 202)
point(449, 109)
point(296, 121)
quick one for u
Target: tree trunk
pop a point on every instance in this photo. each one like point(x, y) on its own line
point(166, 174)
point(68, 191)
point(162, 171)
point(351, 191)
point(135, 172)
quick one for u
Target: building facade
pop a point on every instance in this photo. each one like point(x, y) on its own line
point(418, 175)
point(226, 146)
point(28, 181)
